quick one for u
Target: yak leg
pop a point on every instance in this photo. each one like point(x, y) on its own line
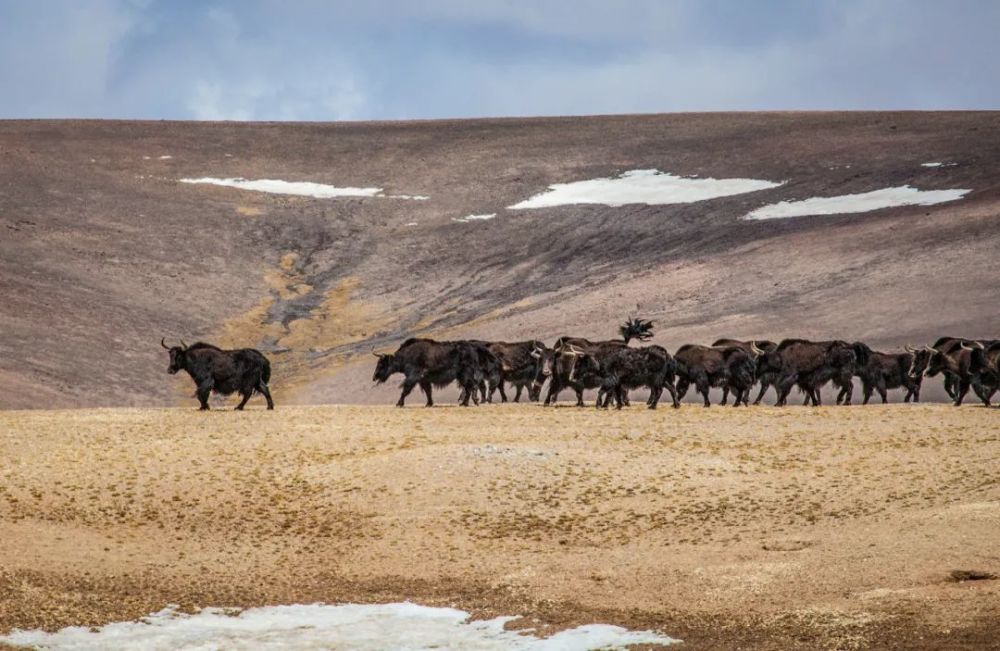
point(764, 386)
point(246, 396)
point(620, 398)
point(866, 389)
point(655, 392)
point(204, 391)
point(517, 393)
point(701, 383)
point(579, 397)
point(984, 392)
point(725, 397)
point(916, 391)
point(408, 385)
point(503, 393)
point(963, 388)
point(848, 391)
point(682, 387)
point(950, 386)
point(783, 388)
point(881, 388)
point(262, 387)
point(553, 393)
point(669, 386)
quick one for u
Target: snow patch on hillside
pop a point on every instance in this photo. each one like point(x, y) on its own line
point(855, 203)
point(651, 187)
point(474, 218)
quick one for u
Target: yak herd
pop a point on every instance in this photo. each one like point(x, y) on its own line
point(614, 367)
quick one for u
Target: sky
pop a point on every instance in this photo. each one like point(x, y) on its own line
point(410, 59)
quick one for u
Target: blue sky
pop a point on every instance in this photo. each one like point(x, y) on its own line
point(397, 59)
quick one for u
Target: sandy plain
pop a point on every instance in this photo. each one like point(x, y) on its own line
point(761, 528)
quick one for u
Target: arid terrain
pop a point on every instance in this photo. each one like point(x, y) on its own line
point(103, 250)
point(761, 528)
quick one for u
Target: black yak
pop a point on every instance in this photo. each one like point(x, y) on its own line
point(242, 371)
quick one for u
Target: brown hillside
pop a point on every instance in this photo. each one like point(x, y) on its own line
point(103, 251)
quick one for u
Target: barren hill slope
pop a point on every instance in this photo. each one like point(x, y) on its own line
point(103, 250)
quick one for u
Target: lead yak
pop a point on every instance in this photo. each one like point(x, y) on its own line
point(244, 371)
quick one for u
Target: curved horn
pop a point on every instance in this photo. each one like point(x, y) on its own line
point(975, 346)
point(163, 342)
point(183, 345)
point(573, 350)
point(374, 353)
point(910, 349)
point(753, 347)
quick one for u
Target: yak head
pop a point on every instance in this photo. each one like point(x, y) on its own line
point(178, 356)
point(922, 362)
point(385, 367)
point(544, 365)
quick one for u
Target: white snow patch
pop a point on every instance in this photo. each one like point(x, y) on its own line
point(318, 626)
point(938, 164)
point(651, 187)
point(473, 218)
point(166, 157)
point(298, 188)
point(301, 188)
point(411, 223)
point(853, 203)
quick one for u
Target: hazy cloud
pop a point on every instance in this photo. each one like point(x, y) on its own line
point(320, 60)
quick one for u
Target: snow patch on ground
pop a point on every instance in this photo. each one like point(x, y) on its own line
point(854, 203)
point(938, 164)
point(166, 157)
point(301, 188)
point(298, 188)
point(318, 626)
point(651, 187)
point(473, 218)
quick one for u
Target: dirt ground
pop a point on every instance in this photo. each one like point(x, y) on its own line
point(761, 528)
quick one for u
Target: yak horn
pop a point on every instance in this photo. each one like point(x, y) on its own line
point(910, 349)
point(183, 345)
point(756, 351)
point(163, 342)
point(930, 349)
point(379, 355)
point(975, 345)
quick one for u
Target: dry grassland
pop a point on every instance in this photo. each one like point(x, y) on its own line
point(753, 528)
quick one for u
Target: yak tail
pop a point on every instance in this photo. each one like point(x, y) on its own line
point(265, 372)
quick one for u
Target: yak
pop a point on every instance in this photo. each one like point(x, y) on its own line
point(811, 364)
point(576, 362)
point(430, 363)
point(707, 366)
point(518, 367)
point(755, 347)
point(952, 357)
point(242, 371)
point(631, 368)
point(886, 371)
